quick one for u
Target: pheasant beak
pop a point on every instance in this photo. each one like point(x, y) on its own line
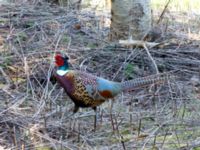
point(56, 64)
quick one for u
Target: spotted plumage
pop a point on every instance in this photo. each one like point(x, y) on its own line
point(87, 90)
point(83, 89)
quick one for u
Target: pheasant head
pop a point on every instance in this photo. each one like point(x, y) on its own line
point(62, 63)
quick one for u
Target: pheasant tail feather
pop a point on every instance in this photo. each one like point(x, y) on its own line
point(140, 82)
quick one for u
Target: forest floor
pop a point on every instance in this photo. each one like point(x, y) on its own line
point(36, 114)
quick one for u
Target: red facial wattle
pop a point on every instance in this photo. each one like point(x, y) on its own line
point(59, 60)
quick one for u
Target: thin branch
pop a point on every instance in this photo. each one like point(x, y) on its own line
point(151, 58)
point(163, 12)
point(138, 43)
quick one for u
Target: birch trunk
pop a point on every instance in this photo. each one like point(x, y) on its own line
point(130, 18)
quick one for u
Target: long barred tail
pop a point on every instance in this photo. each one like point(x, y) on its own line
point(144, 81)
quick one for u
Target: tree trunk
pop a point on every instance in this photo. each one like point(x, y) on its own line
point(96, 4)
point(67, 3)
point(130, 18)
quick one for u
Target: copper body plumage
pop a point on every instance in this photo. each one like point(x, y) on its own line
point(87, 90)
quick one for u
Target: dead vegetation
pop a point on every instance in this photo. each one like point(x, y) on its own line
point(36, 114)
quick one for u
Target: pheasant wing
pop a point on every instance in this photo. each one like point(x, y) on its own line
point(99, 88)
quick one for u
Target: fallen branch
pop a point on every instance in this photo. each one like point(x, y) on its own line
point(144, 44)
point(138, 43)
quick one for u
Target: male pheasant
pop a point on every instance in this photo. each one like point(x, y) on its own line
point(87, 90)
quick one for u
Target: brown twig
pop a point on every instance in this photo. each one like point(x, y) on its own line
point(163, 12)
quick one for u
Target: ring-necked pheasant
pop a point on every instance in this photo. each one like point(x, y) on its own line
point(87, 90)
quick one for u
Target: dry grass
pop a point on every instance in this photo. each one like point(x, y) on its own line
point(35, 114)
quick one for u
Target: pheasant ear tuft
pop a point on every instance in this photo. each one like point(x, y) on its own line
point(66, 57)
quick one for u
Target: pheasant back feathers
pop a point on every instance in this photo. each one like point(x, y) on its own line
point(87, 90)
point(82, 88)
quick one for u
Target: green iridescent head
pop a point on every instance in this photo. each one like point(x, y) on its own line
point(62, 62)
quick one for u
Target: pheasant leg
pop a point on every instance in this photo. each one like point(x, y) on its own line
point(95, 118)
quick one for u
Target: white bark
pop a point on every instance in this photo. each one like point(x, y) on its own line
point(130, 18)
